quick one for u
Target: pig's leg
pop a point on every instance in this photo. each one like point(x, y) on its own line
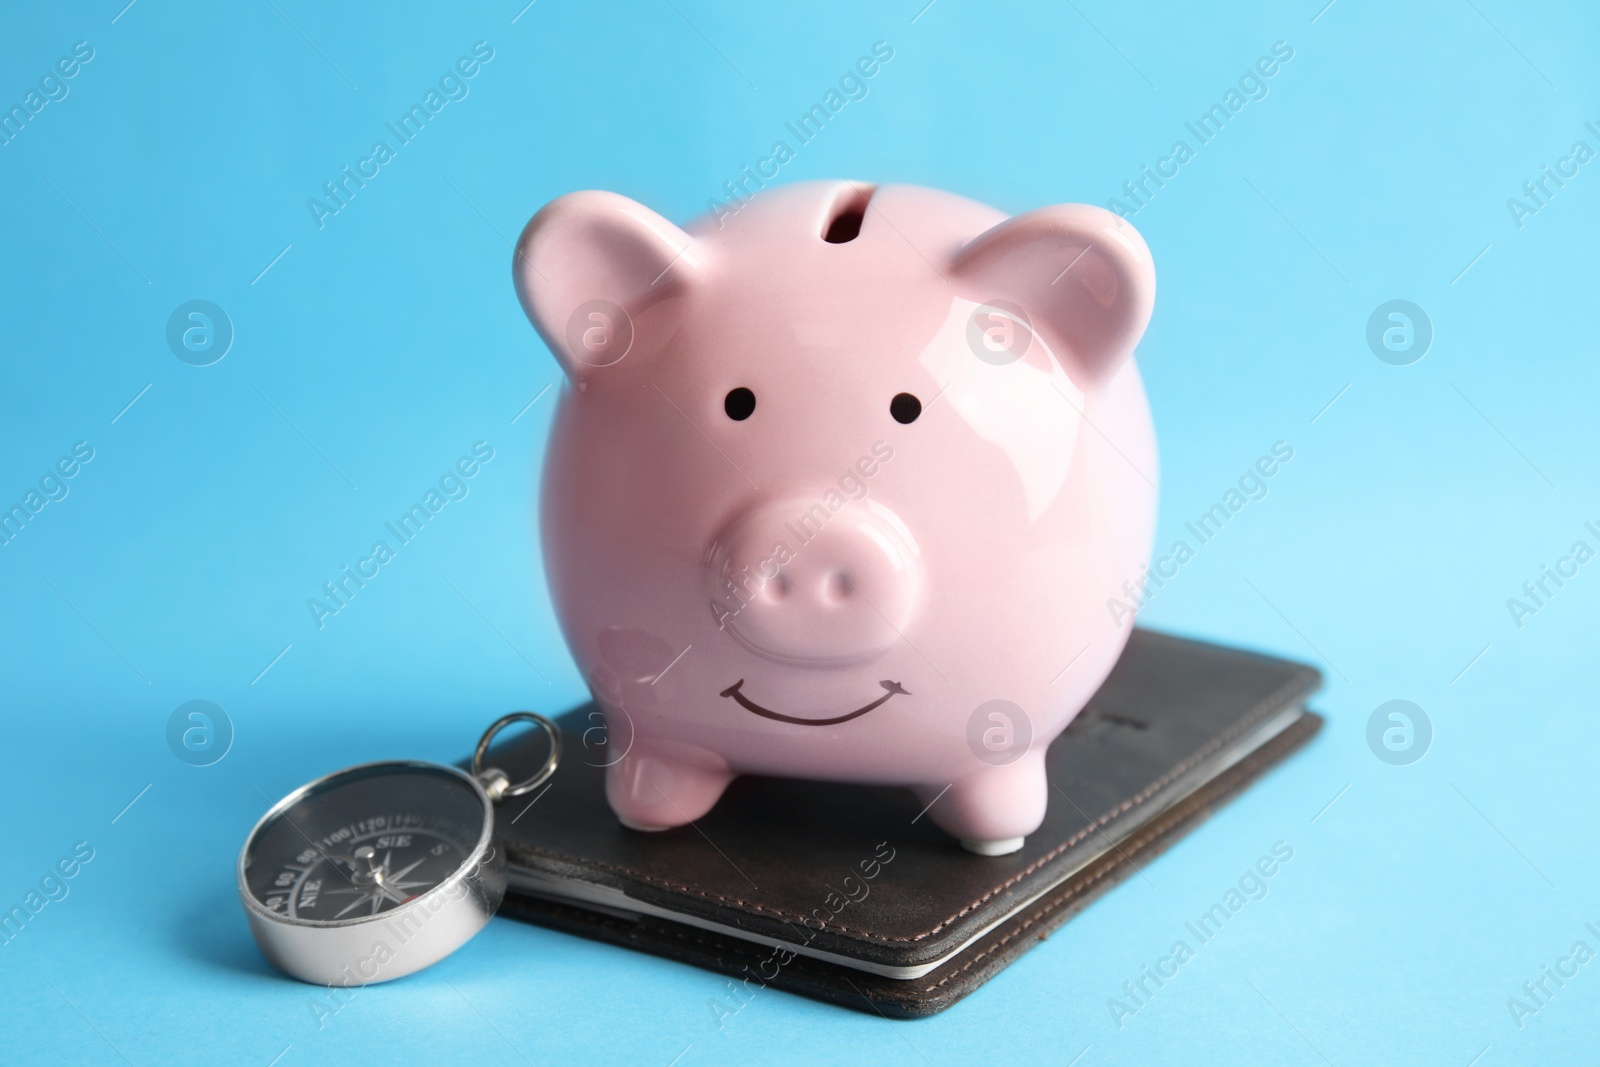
point(991, 811)
point(649, 791)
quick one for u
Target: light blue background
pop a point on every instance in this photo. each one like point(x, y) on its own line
point(375, 351)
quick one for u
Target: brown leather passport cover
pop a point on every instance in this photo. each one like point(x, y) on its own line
point(856, 871)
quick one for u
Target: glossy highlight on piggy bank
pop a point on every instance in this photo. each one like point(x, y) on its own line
point(839, 488)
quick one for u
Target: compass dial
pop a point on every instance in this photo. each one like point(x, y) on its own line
point(364, 842)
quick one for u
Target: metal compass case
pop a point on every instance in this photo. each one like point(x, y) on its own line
point(376, 871)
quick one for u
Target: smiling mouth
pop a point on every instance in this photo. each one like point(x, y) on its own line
point(890, 689)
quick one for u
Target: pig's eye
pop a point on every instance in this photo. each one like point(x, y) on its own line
point(740, 404)
point(905, 408)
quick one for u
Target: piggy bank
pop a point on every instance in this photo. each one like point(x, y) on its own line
point(848, 483)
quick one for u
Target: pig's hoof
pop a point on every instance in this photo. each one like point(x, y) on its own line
point(649, 791)
point(992, 811)
point(1003, 847)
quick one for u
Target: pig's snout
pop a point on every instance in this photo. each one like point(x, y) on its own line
point(799, 582)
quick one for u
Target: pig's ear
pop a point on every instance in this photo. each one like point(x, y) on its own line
point(602, 278)
point(1081, 275)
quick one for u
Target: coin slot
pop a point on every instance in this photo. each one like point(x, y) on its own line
point(849, 211)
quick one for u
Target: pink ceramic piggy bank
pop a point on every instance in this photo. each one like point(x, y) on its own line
point(843, 487)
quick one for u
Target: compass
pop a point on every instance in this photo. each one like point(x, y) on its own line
point(376, 871)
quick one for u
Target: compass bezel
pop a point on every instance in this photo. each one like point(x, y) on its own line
point(329, 951)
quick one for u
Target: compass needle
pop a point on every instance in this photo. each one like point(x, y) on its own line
point(389, 893)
